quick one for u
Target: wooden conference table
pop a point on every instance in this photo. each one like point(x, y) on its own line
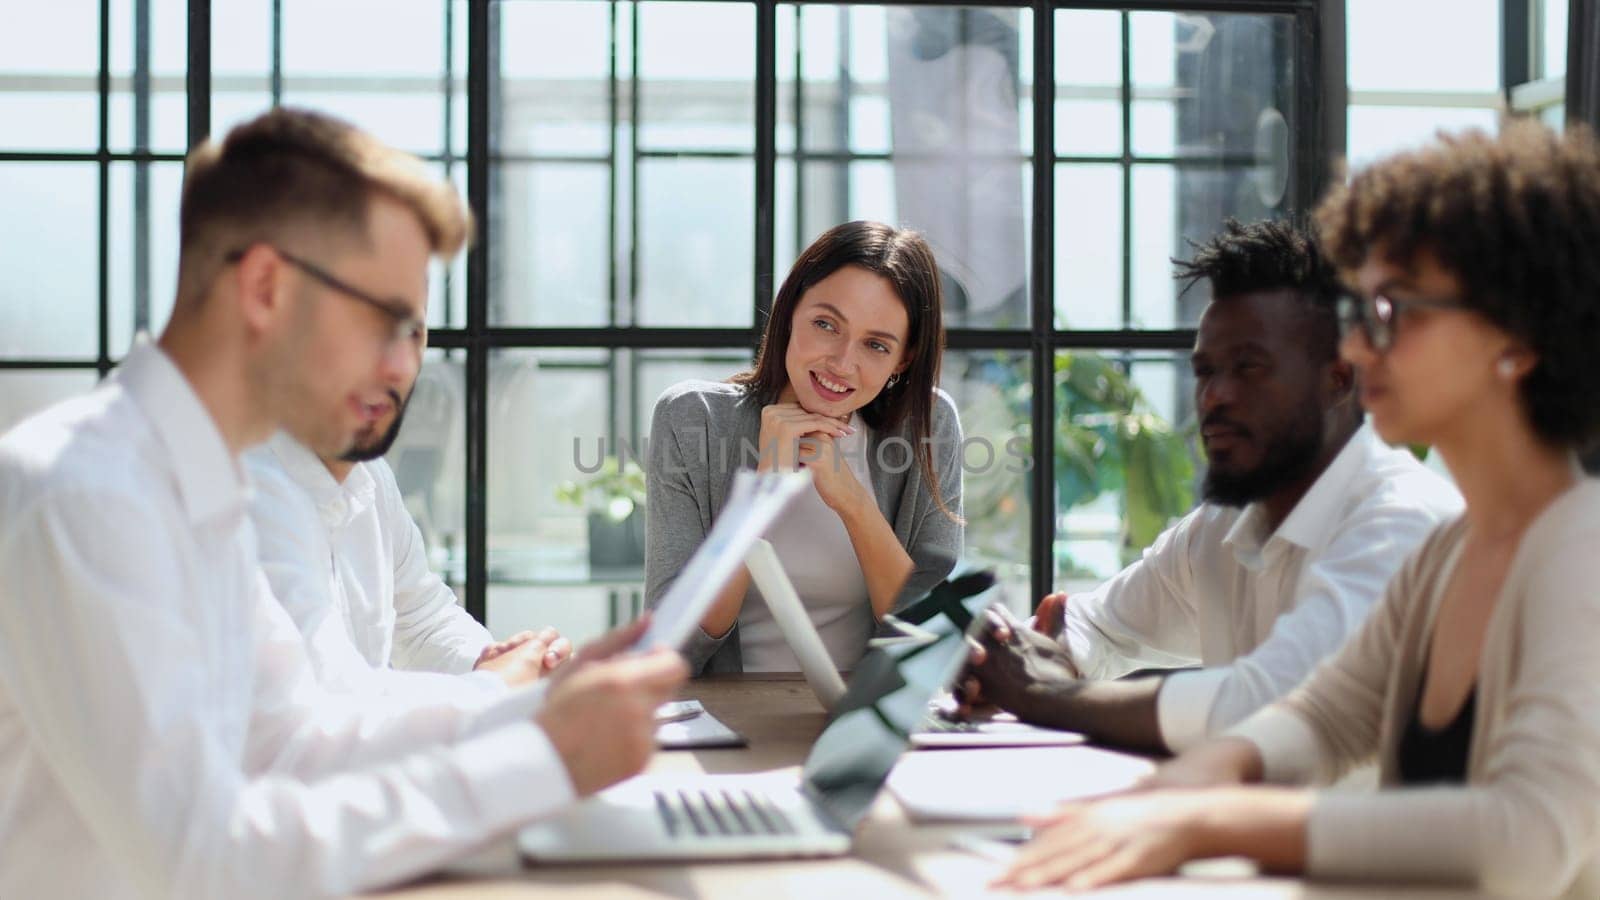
point(893, 858)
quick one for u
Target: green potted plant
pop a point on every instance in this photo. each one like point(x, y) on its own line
point(614, 499)
point(1108, 439)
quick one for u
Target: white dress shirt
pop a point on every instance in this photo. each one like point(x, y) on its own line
point(1258, 610)
point(161, 731)
point(349, 565)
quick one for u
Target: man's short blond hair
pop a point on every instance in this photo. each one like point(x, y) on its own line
point(292, 171)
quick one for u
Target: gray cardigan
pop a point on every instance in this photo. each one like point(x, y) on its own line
point(702, 432)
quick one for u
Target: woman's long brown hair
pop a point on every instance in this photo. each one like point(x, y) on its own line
point(902, 258)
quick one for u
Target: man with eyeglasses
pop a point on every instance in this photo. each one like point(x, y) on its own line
point(162, 731)
point(348, 563)
point(1305, 517)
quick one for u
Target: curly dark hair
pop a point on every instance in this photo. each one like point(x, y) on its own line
point(1516, 219)
point(1271, 255)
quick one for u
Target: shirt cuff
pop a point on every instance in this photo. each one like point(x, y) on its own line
point(1080, 647)
point(1183, 706)
point(701, 647)
point(488, 683)
point(515, 775)
point(1288, 747)
point(464, 655)
point(1414, 835)
point(514, 707)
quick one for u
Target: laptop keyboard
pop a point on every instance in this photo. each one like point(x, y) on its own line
point(714, 813)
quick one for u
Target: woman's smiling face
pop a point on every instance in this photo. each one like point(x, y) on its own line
point(848, 336)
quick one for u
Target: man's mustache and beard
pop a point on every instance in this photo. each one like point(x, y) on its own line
point(371, 446)
point(1291, 451)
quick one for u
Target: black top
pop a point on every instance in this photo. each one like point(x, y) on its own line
point(1427, 756)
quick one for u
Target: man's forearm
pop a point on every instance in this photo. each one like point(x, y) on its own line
point(1117, 713)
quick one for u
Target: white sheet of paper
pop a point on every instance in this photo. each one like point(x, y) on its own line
point(1003, 784)
point(754, 501)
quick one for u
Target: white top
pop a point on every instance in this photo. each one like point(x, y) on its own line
point(161, 731)
point(815, 550)
point(349, 565)
point(1258, 610)
point(1527, 821)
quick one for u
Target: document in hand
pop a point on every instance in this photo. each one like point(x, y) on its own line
point(754, 502)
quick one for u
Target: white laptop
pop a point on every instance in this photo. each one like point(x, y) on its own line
point(943, 729)
point(773, 814)
point(768, 575)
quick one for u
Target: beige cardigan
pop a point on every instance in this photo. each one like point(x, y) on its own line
point(1527, 822)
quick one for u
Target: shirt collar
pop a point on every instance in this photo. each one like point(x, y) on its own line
point(212, 484)
point(1309, 523)
point(337, 504)
point(1314, 517)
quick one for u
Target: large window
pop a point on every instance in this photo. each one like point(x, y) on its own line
point(93, 99)
point(647, 196)
point(1402, 90)
point(1536, 78)
point(645, 172)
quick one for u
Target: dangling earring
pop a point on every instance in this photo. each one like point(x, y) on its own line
point(1506, 366)
point(893, 380)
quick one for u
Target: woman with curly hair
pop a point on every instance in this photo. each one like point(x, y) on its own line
point(1475, 685)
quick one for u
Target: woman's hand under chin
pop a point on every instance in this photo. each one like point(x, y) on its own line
point(792, 437)
point(785, 428)
point(836, 484)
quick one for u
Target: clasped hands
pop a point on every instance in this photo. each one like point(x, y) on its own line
point(1014, 666)
point(525, 656)
point(792, 438)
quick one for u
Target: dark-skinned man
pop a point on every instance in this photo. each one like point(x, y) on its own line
point(1305, 516)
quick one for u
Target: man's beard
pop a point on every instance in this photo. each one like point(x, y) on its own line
point(365, 452)
point(1289, 457)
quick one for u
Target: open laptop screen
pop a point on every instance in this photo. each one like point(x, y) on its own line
point(888, 695)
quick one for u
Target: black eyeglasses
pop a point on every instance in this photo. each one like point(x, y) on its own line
point(1376, 317)
point(408, 329)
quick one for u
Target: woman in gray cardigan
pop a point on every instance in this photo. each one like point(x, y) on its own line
point(845, 385)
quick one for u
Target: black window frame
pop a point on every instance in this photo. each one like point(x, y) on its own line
point(1317, 139)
